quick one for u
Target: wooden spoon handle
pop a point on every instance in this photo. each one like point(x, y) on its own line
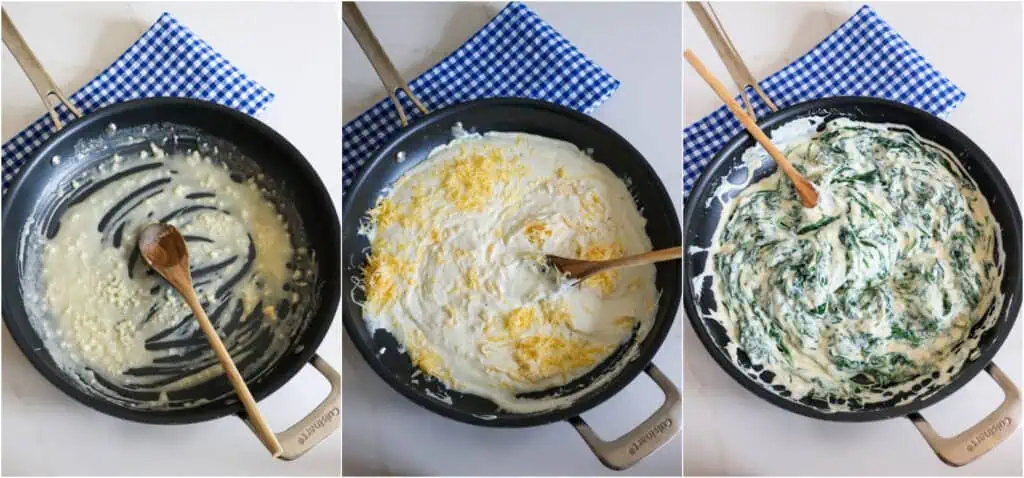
point(808, 196)
point(263, 430)
point(643, 259)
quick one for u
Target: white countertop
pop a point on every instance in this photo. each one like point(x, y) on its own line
point(729, 430)
point(640, 45)
point(292, 49)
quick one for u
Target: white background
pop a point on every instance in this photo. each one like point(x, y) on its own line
point(640, 45)
point(293, 50)
point(728, 430)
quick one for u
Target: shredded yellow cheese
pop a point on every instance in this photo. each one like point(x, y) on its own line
point(537, 233)
point(384, 214)
point(379, 279)
point(470, 181)
point(605, 281)
point(542, 357)
point(424, 357)
point(556, 313)
point(520, 320)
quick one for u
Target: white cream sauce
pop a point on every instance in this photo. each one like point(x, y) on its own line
point(455, 268)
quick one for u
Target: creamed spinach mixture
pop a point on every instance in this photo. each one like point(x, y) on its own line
point(874, 286)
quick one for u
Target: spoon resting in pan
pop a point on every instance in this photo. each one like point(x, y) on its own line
point(164, 249)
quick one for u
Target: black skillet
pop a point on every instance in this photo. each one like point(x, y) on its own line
point(193, 125)
point(702, 216)
point(545, 119)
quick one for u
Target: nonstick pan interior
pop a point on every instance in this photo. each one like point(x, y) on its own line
point(702, 216)
point(510, 115)
point(176, 125)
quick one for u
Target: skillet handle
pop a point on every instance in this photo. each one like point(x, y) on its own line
point(42, 82)
point(646, 438)
point(319, 424)
point(738, 70)
point(982, 437)
point(386, 70)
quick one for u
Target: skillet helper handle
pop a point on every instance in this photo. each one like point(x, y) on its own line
point(386, 70)
point(738, 70)
point(646, 438)
point(319, 424)
point(982, 437)
point(42, 82)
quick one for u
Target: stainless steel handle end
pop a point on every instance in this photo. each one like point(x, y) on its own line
point(386, 70)
point(41, 81)
point(727, 51)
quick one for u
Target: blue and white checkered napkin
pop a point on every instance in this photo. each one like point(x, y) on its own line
point(515, 55)
point(864, 57)
point(167, 60)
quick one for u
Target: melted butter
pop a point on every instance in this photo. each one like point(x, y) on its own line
point(455, 267)
point(873, 291)
point(104, 314)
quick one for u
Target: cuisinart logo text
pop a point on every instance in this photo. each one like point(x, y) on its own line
point(323, 421)
point(989, 432)
point(653, 433)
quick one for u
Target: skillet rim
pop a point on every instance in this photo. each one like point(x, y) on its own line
point(849, 104)
point(629, 372)
point(289, 364)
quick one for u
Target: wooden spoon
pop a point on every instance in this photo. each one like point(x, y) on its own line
point(804, 188)
point(164, 249)
point(579, 269)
